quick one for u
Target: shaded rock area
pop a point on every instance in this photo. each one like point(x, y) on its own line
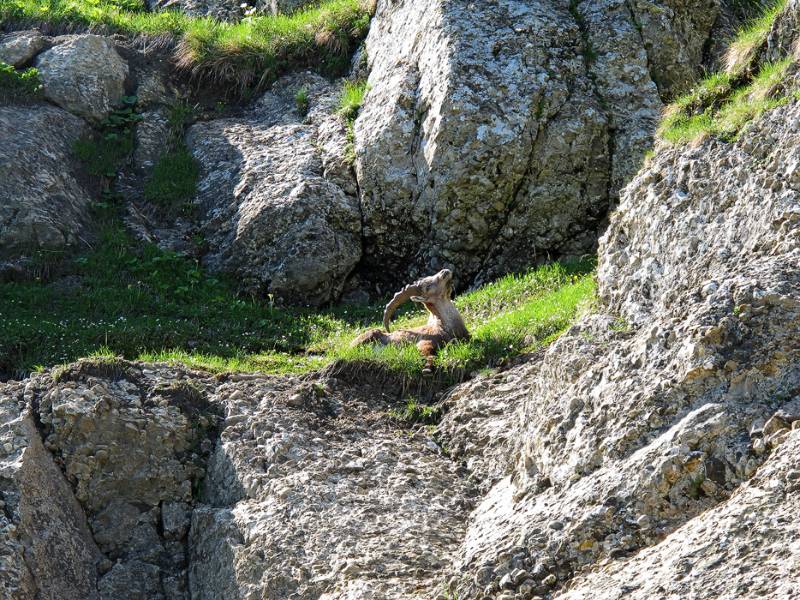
point(497, 134)
point(44, 205)
point(278, 199)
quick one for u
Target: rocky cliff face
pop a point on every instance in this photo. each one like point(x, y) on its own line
point(651, 451)
point(494, 136)
point(499, 133)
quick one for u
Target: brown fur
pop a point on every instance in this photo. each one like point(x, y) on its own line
point(444, 321)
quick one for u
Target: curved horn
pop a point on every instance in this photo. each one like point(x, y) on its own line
point(400, 297)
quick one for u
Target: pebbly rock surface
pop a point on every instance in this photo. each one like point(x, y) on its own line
point(743, 548)
point(662, 405)
point(84, 75)
point(314, 493)
point(497, 134)
point(277, 196)
point(44, 206)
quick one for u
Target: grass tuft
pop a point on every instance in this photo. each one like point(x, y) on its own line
point(750, 38)
point(251, 53)
point(723, 103)
point(174, 179)
point(350, 101)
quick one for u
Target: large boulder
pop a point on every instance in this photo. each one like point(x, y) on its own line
point(43, 204)
point(497, 134)
point(83, 74)
point(278, 200)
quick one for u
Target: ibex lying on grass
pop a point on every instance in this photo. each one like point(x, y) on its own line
point(444, 323)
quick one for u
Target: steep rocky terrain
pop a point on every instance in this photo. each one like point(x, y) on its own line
point(650, 451)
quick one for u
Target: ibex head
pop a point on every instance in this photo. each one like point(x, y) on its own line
point(428, 290)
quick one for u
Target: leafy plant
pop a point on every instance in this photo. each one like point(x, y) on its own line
point(103, 155)
point(19, 85)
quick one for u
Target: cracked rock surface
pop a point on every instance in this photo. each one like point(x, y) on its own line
point(498, 133)
point(279, 201)
point(44, 206)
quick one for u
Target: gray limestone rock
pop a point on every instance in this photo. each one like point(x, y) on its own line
point(20, 47)
point(43, 204)
point(277, 198)
point(497, 134)
point(84, 75)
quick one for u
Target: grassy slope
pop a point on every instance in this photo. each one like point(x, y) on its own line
point(251, 52)
point(723, 103)
point(140, 302)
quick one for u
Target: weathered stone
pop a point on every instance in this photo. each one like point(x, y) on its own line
point(47, 549)
point(278, 208)
point(19, 48)
point(83, 75)
point(496, 134)
point(43, 205)
point(152, 139)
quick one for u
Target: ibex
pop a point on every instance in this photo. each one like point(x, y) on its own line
point(444, 323)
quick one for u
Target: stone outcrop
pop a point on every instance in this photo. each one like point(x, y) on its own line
point(18, 48)
point(651, 449)
point(278, 200)
point(43, 204)
point(497, 134)
point(654, 410)
point(84, 75)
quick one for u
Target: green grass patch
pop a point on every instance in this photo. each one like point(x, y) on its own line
point(752, 36)
point(16, 86)
point(136, 301)
point(252, 52)
point(725, 113)
point(723, 103)
point(351, 99)
point(174, 179)
point(301, 101)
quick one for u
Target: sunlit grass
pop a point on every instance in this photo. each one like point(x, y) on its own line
point(723, 103)
point(251, 52)
point(122, 298)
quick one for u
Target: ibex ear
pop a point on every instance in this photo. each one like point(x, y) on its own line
point(419, 299)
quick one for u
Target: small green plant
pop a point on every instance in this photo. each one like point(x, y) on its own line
point(301, 101)
point(414, 413)
point(19, 85)
point(174, 179)
point(104, 155)
point(351, 99)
